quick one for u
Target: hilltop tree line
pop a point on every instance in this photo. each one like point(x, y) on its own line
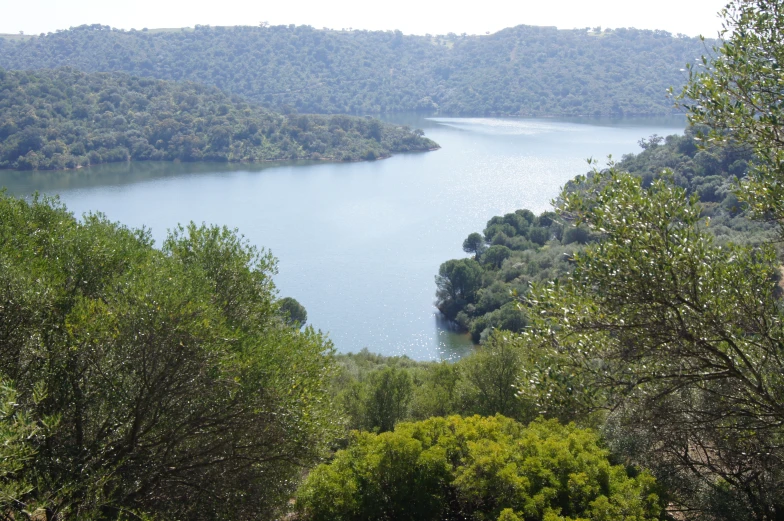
point(522, 70)
point(65, 118)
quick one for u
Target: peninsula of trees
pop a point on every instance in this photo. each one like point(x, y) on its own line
point(481, 293)
point(523, 70)
point(64, 118)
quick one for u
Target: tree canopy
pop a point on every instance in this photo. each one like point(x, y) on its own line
point(680, 335)
point(146, 381)
point(675, 333)
point(522, 70)
point(737, 92)
point(66, 119)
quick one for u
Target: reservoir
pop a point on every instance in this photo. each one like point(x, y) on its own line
point(359, 244)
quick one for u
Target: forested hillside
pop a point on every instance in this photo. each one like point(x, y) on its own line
point(523, 70)
point(65, 118)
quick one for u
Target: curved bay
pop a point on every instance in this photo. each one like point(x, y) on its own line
point(359, 244)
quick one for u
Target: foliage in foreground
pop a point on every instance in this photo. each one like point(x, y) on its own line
point(737, 92)
point(682, 336)
point(477, 468)
point(55, 119)
point(679, 337)
point(145, 381)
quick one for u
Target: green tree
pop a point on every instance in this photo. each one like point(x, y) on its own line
point(457, 281)
point(496, 255)
point(475, 244)
point(680, 336)
point(435, 391)
point(389, 395)
point(20, 436)
point(737, 92)
point(491, 373)
point(293, 312)
point(178, 390)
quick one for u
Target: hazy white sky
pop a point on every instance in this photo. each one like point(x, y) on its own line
point(690, 17)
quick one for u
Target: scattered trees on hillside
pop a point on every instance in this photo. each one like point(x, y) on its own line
point(68, 119)
point(522, 70)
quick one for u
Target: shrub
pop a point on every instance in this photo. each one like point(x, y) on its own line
point(483, 468)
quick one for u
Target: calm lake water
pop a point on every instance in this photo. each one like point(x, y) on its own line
point(359, 244)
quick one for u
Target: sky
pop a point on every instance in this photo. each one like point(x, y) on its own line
point(689, 17)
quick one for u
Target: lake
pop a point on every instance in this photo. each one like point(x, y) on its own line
point(359, 244)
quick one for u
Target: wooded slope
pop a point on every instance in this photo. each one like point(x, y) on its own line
point(522, 70)
point(65, 118)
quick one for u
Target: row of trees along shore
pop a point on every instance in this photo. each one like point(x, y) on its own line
point(173, 383)
point(481, 293)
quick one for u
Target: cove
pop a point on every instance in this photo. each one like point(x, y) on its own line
point(359, 244)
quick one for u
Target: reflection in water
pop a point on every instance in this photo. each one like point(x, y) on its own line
point(359, 244)
point(119, 174)
point(452, 344)
point(518, 127)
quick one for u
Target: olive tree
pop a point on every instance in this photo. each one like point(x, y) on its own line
point(738, 93)
point(679, 338)
point(178, 390)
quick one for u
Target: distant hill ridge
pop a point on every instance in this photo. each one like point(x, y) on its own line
point(523, 70)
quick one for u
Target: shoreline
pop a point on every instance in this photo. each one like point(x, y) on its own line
point(240, 162)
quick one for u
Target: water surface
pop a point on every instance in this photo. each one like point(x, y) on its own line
point(359, 244)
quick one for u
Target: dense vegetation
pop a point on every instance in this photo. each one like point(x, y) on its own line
point(66, 119)
point(518, 249)
point(688, 335)
point(665, 331)
point(172, 383)
point(674, 333)
point(376, 392)
point(492, 468)
point(523, 70)
point(140, 381)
